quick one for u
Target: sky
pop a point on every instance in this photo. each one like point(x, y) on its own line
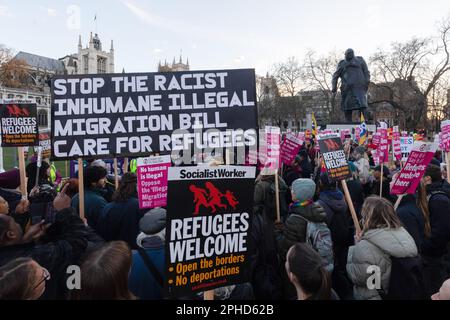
point(215, 34)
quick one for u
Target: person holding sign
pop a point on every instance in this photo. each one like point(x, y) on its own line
point(94, 202)
point(119, 220)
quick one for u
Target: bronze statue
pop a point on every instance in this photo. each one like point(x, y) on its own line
point(355, 78)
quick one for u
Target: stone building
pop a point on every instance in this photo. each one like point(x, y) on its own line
point(88, 60)
point(175, 66)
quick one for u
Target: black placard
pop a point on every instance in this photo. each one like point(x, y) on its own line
point(209, 216)
point(98, 116)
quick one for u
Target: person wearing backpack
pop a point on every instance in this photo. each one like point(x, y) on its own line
point(306, 222)
point(332, 200)
point(434, 248)
point(147, 272)
point(384, 251)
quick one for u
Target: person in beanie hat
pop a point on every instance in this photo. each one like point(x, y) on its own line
point(301, 210)
point(146, 282)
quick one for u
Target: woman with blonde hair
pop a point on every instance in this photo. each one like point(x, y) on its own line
point(381, 238)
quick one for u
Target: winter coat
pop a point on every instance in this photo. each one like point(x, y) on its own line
point(375, 249)
point(64, 244)
point(264, 197)
point(412, 219)
point(335, 206)
point(295, 226)
point(141, 281)
point(439, 206)
point(295, 232)
point(94, 203)
point(120, 221)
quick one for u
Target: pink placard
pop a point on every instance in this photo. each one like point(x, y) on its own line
point(152, 181)
point(376, 139)
point(445, 137)
point(290, 148)
point(409, 177)
point(273, 137)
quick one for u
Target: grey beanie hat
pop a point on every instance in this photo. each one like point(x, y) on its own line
point(303, 189)
point(153, 221)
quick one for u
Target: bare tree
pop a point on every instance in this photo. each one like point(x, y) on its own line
point(288, 75)
point(317, 74)
point(413, 69)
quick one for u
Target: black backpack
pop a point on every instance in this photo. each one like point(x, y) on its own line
point(406, 281)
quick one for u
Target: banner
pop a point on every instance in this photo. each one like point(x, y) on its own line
point(273, 137)
point(111, 115)
point(406, 144)
point(445, 130)
point(409, 177)
point(208, 228)
point(19, 123)
point(396, 148)
point(334, 158)
point(152, 175)
point(44, 143)
point(290, 148)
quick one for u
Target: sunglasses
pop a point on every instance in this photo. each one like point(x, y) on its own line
point(45, 277)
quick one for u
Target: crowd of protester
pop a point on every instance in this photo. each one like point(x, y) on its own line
point(312, 253)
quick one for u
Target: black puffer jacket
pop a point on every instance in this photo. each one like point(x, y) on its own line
point(65, 242)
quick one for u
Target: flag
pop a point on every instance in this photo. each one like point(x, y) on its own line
point(362, 131)
point(314, 125)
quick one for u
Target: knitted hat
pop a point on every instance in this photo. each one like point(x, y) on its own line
point(303, 189)
point(153, 221)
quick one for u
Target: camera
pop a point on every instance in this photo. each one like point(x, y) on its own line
point(45, 193)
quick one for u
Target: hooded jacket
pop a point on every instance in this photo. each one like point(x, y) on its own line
point(335, 206)
point(438, 204)
point(375, 249)
point(142, 282)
